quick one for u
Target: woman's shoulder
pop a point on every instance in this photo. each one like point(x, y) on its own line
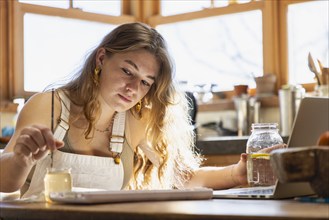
point(38, 108)
point(42, 99)
point(38, 100)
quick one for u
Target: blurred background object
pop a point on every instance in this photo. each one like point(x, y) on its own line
point(266, 85)
point(289, 101)
point(247, 112)
point(324, 139)
point(240, 90)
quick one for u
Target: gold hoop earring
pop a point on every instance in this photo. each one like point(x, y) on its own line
point(138, 106)
point(97, 71)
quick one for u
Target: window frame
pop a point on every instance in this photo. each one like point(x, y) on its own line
point(4, 53)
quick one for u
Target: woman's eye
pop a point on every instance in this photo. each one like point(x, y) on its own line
point(145, 83)
point(126, 71)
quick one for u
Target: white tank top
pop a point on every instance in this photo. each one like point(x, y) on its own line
point(87, 171)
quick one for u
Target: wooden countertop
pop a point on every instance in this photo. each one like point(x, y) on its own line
point(197, 209)
point(222, 145)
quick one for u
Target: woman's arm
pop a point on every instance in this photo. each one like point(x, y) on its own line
point(220, 177)
point(225, 177)
point(30, 142)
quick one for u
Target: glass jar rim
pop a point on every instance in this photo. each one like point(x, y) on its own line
point(264, 126)
point(58, 170)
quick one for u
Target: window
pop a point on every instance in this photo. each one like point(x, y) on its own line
point(223, 50)
point(172, 7)
point(308, 31)
point(56, 37)
point(220, 44)
point(55, 4)
point(108, 7)
point(54, 47)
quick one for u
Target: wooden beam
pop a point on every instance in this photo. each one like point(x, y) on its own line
point(4, 51)
point(150, 8)
point(271, 40)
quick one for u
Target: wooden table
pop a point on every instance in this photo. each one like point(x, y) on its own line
point(197, 209)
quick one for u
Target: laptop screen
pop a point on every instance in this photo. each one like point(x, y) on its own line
point(311, 121)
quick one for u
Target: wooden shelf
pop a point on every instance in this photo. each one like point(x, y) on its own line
point(228, 104)
point(217, 105)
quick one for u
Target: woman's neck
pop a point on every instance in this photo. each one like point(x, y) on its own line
point(106, 114)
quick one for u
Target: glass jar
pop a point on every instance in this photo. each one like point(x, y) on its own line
point(263, 136)
point(57, 180)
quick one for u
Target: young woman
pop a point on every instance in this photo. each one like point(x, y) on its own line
point(121, 123)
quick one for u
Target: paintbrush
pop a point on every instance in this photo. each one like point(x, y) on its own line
point(52, 125)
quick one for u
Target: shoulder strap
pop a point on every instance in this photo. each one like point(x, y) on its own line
point(118, 130)
point(63, 125)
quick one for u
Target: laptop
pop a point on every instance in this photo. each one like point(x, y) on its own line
point(311, 121)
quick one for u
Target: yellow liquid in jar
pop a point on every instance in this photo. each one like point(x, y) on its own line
point(57, 181)
point(259, 170)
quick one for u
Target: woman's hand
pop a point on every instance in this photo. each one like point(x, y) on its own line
point(33, 143)
point(239, 170)
point(270, 149)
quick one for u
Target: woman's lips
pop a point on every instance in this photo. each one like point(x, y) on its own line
point(125, 98)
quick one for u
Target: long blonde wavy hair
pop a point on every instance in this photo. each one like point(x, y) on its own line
point(169, 128)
